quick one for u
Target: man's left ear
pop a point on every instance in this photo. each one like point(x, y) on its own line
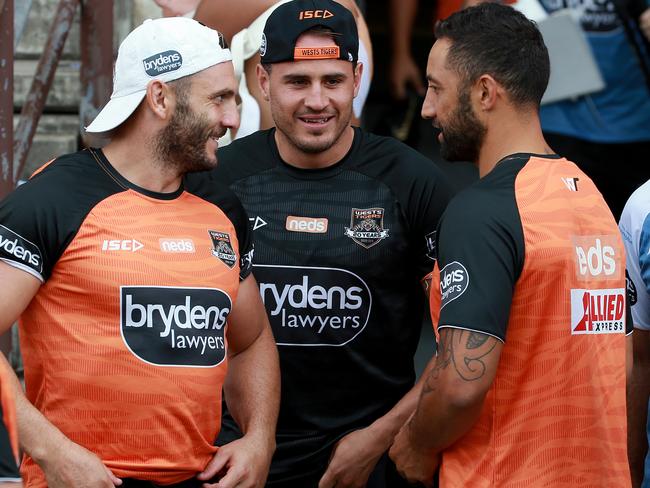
point(358, 71)
point(488, 91)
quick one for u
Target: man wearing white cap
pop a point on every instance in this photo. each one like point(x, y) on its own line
point(135, 294)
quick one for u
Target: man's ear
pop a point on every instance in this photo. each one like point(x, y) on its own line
point(161, 99)
point(487, 90)
point(263, 79)
point(358, 72)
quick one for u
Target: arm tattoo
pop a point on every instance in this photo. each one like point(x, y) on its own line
point(465, 350)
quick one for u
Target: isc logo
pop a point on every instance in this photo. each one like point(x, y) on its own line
point(121, 245)
point(315, 14)
point(596, 256)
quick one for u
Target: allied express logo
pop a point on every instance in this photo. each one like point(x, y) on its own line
point(222, 248)
point(598, 311)
point(167, 326)
point(367, 226)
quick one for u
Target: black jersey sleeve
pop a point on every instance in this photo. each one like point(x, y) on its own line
point(8, 468)
point(205, 186)
point(480, 255)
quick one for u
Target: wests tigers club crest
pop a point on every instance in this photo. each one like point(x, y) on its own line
point(222, 249)
point(367, 226)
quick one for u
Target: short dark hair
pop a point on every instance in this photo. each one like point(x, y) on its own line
point(495, 39)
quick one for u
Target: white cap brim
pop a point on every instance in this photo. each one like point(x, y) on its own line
point(116, 111)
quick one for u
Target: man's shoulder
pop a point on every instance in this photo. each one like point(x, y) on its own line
point(68, 178)
point(245, 156)
point(382, 150)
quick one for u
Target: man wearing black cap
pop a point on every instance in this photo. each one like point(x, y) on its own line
point(343, 222)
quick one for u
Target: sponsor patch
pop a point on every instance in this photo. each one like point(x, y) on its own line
point(631, 289)
point(315, 14)
point(329, 52)
point(177, 245)
point(570, 183)
point(125, 245)
point(430, 239)
point(16, 248)
point(222, 249)
point(306, 224)
point(263, 45)
point(161, 63)
point(168, 326)
point(454, 280)
point(367, 226)
point(598, 311)
point(597, 257)
point(310, 306)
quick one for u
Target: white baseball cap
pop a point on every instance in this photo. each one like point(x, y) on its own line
point(162, 49)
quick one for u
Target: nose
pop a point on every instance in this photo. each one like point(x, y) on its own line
point(316, 99)
point(429, 105)
point(231, 117)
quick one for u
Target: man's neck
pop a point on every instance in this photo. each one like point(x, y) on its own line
point(293, 156)
point(135, 162)
point(519, 134)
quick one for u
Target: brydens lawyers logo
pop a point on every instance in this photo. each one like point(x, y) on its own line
point(598, 311)
point(454, 281)
point(222, 249)
point(161, 63)
point(168, 326)
point(17, 249)
point(367, 226)
point(314, 306)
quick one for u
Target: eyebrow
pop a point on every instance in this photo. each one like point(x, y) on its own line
point(432, 79)
point(300, 76)
point(226, 92)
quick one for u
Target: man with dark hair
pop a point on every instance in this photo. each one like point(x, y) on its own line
point(135, 296)
point(528, 387)
point(344, 224)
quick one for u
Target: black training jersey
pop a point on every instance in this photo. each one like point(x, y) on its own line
point(340, 255)
point(124, 344)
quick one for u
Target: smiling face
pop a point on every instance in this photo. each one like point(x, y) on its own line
point(448, 105)
point(205, 109)
point(311, 100)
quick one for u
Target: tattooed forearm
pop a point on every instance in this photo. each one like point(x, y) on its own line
point(467, 351)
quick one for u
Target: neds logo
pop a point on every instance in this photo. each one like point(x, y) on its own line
point(16, 248)
point(162, 63)
point(314, 306)
point(597, 257)
point(175, 326)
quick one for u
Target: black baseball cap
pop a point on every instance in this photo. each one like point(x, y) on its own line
point(291, 19)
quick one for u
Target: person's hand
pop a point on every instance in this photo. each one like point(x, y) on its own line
point(177, 8)
point(644, 22)
point(242, 463)
point(73, 466)
point(404, 73)
point(413, 465)
point(353, 459)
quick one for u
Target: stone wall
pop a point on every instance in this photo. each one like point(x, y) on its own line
point(58, 129)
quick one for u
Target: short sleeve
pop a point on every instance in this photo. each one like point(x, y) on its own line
point(635, 231)
point(28, 237)
point(480, 255)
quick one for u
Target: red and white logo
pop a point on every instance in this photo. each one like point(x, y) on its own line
point(598, 311)
point(597, 257)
